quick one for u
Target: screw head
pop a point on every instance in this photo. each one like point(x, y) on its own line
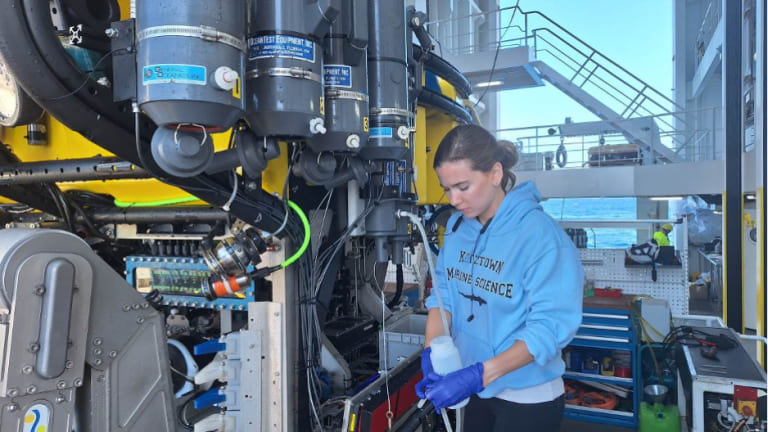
point(78, 382)
point(97, 351)
point(31, 389)
point(97, 341)
point(34, 347)
point(97, 362)
point(13, 392)
point(112, 354)
point(26, 369)
point(40, 290)
point(60, 399)
point(69, 364)
point(12, 407)
point(140, 320)
point(61, 384)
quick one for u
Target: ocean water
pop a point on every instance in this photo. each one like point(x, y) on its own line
point(597, 209)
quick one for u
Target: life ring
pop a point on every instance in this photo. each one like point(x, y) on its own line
point(561, 156)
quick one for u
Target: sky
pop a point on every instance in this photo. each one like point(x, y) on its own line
point(635, 34)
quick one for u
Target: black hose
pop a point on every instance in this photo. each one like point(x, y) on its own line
point(47, 75)
point(399, 282)
point(445, 71)
point(435, 100)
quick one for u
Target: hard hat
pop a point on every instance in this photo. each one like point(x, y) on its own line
point(667, 227)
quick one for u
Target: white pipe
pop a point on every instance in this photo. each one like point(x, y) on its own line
point(447, 421)
point(415, 220)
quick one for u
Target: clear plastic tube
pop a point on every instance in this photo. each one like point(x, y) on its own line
point(417, 222)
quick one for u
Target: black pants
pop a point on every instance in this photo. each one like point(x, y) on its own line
point(497, 415)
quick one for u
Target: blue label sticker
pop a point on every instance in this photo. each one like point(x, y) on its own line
point(284, 46)
point(394, 175)
point(380, 132)
point(174, 73)
point(338, 76)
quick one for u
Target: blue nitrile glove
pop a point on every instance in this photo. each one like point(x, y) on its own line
point(428, 371)
point(456, 386)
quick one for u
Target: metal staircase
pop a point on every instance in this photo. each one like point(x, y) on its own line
point(644, 115)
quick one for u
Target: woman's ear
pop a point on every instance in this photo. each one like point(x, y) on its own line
point(497, 174)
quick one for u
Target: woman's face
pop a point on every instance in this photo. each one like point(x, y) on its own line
point(475, 194)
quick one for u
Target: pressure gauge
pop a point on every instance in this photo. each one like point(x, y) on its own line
point(16, 107)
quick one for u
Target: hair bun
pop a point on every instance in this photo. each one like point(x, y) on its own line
point(508, 153)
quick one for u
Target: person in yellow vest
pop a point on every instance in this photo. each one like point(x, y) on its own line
point(662, 236)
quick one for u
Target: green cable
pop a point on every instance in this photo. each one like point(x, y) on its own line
point(305, 243)
point(158, 203)
point(291, 204)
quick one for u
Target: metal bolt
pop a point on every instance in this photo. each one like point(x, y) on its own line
point(97, 341)
point(78, 382)
point(136, 306)
point(111, 33)
point(60, 399)
point(31, 389)
point(13, 392)
point(97, 351)
point(34, 347)
point(69, 364)
point(112, 354)
point(61, 384)
point(97, 362)
point(12, 407)
point(26, 369)
point(140, 320)
point(126, 308)
point(40, 290)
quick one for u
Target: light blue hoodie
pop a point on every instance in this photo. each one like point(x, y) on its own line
point(527, 280)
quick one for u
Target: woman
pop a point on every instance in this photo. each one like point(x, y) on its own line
point(511, 283)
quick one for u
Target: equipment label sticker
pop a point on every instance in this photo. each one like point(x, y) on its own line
point(36, 419)
point(284, 46)
point(338, 76)
point(381, 132)
point(174, 73)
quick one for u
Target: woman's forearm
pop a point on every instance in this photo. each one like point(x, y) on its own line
point(435, 325)
point(511, 359)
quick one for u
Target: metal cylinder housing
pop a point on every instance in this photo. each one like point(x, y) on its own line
point(284, 73)
point(191, 59)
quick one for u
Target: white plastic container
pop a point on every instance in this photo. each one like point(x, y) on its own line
point(445, 359)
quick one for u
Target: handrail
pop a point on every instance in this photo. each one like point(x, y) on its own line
point(528, 32)
point(576, 49)
point(597, 51)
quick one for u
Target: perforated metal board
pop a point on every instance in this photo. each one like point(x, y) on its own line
point(606, 267)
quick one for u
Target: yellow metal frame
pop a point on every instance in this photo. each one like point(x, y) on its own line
point(725, 259)
point(760, 195)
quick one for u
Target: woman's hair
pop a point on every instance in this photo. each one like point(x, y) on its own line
point(480, 148)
